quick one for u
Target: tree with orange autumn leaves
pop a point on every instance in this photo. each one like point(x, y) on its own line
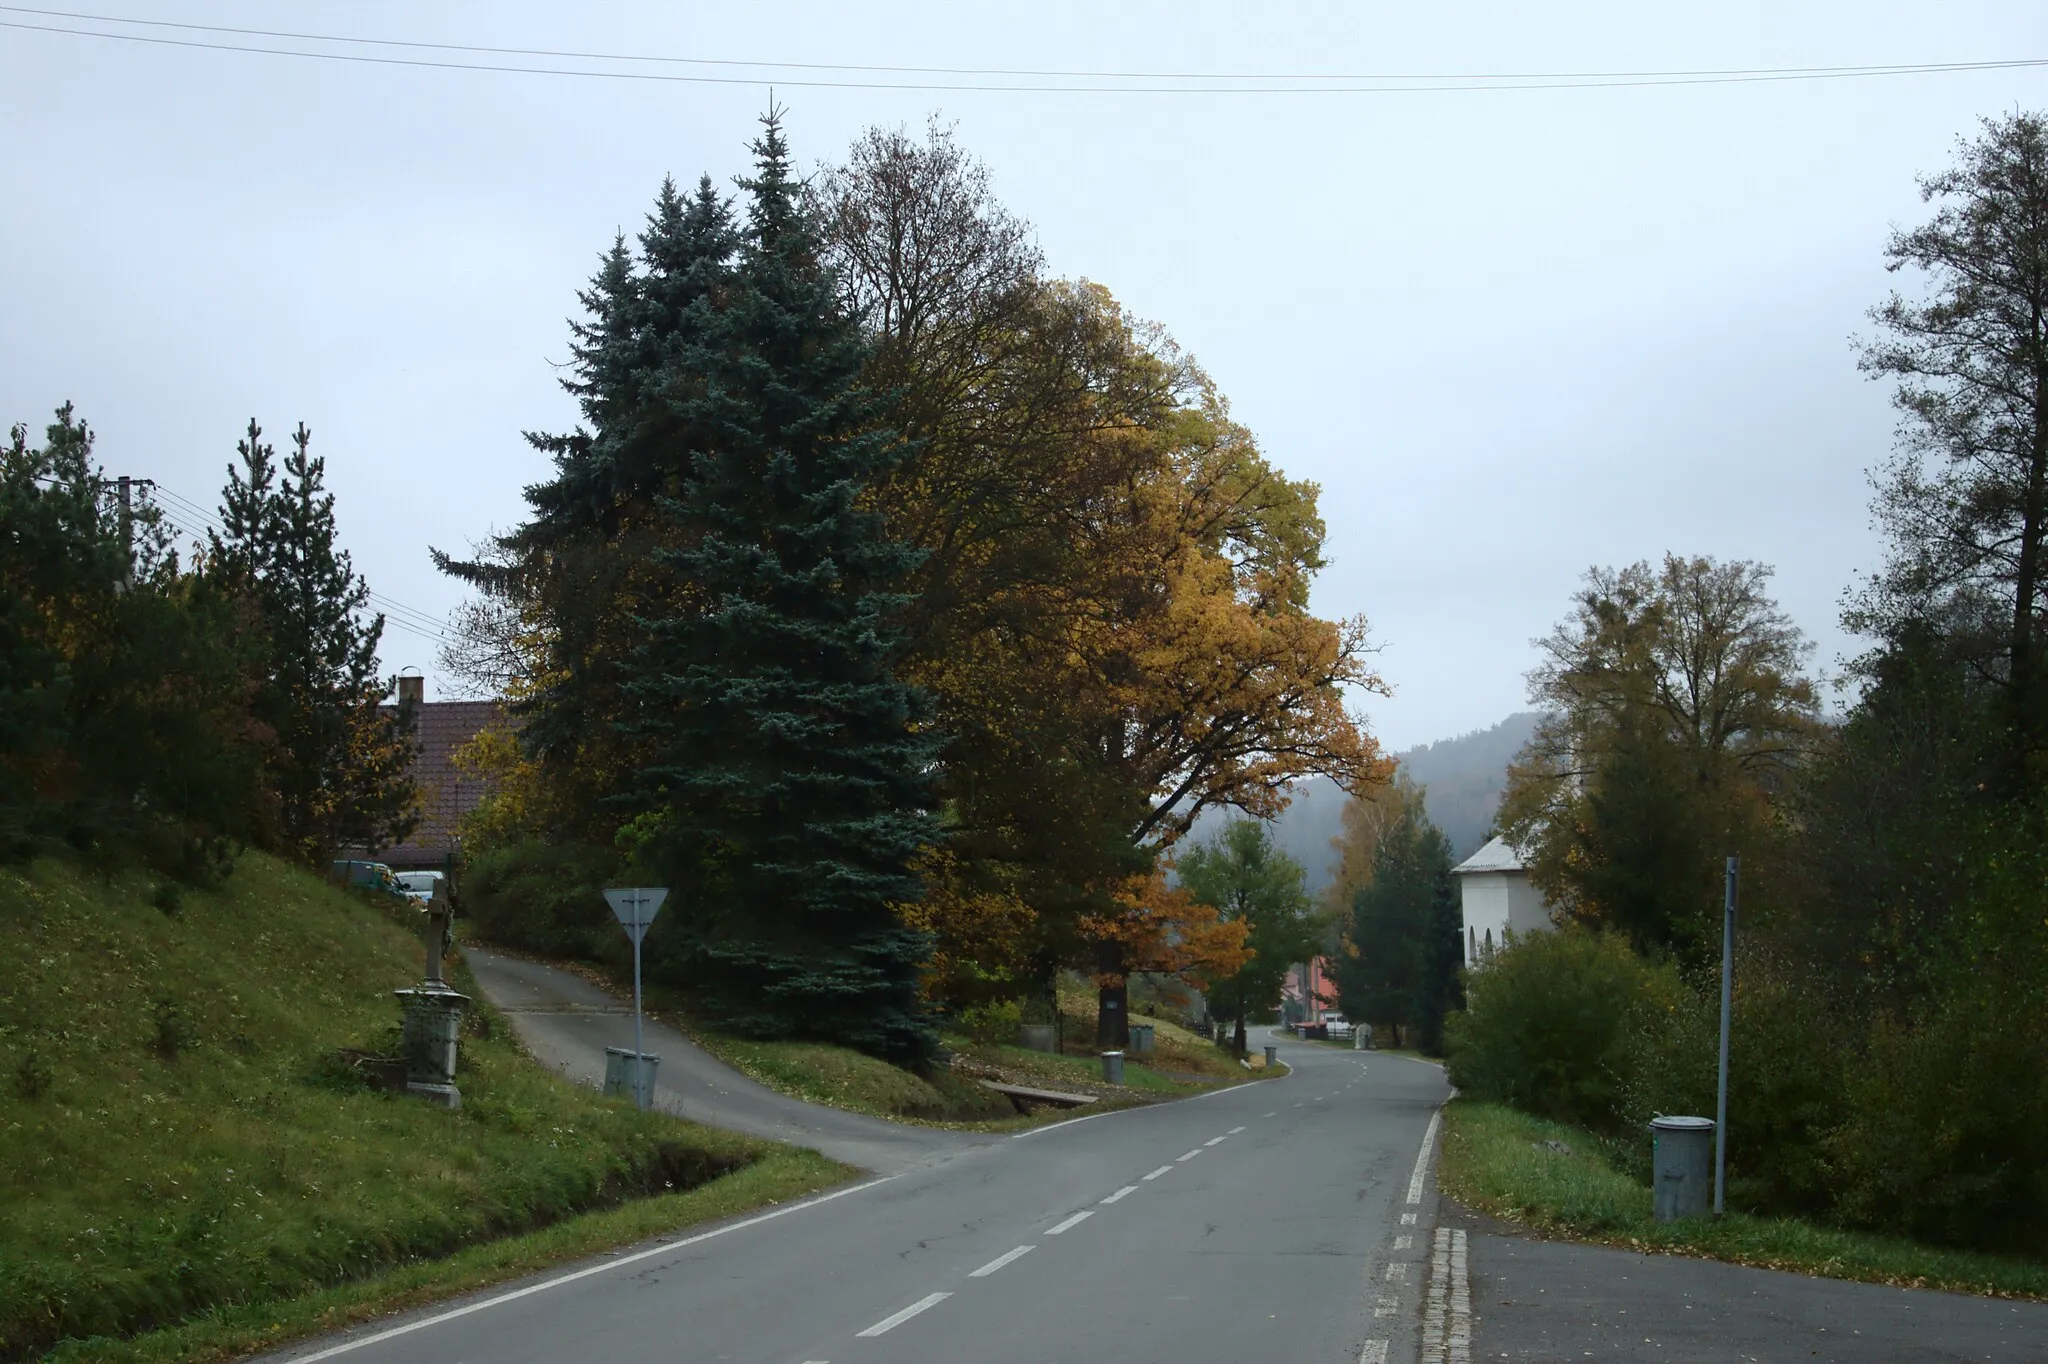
point(1113, 610)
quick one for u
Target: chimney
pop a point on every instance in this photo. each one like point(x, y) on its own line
point(412, 691)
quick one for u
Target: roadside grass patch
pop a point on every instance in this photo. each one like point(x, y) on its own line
point(235, 1331)
point(180, 1136)
point(841, 1077)
point(1500, 1162)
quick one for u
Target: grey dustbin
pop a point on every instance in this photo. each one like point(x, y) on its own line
point(1272, 1056)
point(1112, 1067)
point(1141, 1039)
point(619, 1074)
point(1682, 1157)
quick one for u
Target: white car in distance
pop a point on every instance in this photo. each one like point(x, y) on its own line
point(1338, 1024)
point(419, 885)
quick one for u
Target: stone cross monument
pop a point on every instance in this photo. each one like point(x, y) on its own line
point(433, 1015)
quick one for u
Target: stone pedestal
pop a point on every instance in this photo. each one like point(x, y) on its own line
point(432, 1027)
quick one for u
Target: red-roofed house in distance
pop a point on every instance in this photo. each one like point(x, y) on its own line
point(447, 793)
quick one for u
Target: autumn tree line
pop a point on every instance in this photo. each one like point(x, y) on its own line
point(896, 604)
point(1891, 982)
point(174, 691)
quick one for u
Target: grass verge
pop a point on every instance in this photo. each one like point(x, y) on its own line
point(233, 1332)
point(1510, 1165)
point(179, 1138)
point(840, 1077)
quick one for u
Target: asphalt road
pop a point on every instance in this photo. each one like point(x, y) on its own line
point(1283, 1220)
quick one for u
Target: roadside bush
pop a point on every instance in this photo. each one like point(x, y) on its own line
point(1945, 1133)
point(544, 898)
point(993, 1024)
point(1549, 1021)
point(1784, 1077)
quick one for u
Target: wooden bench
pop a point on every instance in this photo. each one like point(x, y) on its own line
point(1024, 1094)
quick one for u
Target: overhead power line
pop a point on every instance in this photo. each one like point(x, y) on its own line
point(188, 516)
point(968, 79)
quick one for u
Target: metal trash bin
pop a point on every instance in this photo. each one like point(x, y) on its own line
point(620, 1073)
point(1141, 1039)
point(1682, 1158)
point(1112, 1067)
point(1272, 1056)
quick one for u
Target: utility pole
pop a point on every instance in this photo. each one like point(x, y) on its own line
point(125, 487)
point(1727, 1007)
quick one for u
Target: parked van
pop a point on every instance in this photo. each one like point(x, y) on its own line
point(357, 874)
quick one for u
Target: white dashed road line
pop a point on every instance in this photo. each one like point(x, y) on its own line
point(993, 1265)
point(1126, 1189)
point(1375, 1352)
point(1076, 1220)
point(894, 1320)
point(1214, 1140)
point(1162, 1170)
point(1235, 1130)
point(1188, 1156)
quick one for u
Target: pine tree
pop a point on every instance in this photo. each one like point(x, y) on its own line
point(1400, 962)
point(337, 772)
point(583, 569)
point(794, 782)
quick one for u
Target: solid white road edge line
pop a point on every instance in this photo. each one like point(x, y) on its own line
point(1126, 1189)
point(1162, 1170)
point(993, 1265)
point(1076, 1220)
point(610, 1264)
point(896, 1319)
point(1422, 1158)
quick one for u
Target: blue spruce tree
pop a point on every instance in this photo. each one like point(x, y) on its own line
point(794, 779)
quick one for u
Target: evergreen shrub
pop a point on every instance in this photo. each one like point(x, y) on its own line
point(544, 898)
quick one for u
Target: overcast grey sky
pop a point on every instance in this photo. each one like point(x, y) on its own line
point(1511, 333)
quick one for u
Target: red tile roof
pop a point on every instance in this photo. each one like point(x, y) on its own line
point(447, 793)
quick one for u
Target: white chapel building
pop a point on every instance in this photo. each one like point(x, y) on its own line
point(1498, 900)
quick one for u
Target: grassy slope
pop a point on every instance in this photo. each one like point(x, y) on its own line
point(1496, 1160)
point(185, 1144)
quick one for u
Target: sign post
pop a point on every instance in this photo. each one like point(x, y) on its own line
point(636, 907)
point(1727, 1007)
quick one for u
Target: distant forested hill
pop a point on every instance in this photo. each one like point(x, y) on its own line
point(1463, 778)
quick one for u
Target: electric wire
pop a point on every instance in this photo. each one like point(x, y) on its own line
point(1019, 73)
point(1408, 85)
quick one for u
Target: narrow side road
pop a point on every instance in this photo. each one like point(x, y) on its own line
point(566, 1022)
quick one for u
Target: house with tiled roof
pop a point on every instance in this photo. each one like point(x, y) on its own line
point(447, 793)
